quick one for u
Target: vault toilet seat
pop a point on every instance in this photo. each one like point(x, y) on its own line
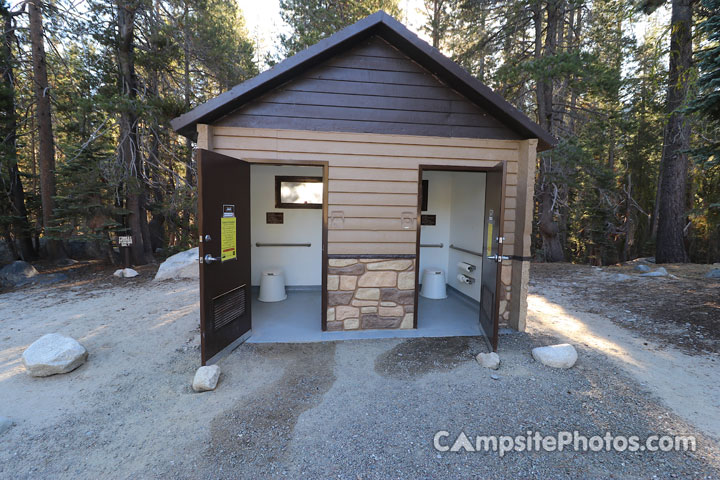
point(433, 284)
point(272, 286)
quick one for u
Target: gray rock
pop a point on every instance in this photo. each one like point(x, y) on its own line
point(17, 274)
point(489, 360)
point(125, 273)
point(52, 354)
point(714, 273)
point(562, 355)
point(129, 273)
point(495, 377)
point(620, 277)
point(206, 378)
point(642, 268)
point(181, 265)
point(660, 272)
point(5, 424)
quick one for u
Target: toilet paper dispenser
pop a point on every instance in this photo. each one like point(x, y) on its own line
point(466, 267)
point(465, 279)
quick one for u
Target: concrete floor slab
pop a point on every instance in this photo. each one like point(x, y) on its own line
point(297, 320)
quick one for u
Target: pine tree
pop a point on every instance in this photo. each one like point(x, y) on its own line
point(46, 139)
point(672, 201)
point(313, 20)
point(13, 213)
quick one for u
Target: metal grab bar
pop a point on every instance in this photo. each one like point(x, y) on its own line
point(259, 244)
point(432, 245)
point(466, 250)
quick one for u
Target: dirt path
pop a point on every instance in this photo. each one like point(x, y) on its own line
point(562, 306)
point(347, 410)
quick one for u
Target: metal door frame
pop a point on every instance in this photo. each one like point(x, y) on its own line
point(324, 259)
point(500, 165)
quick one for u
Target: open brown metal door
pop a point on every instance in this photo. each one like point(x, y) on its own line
point(492, 255)
point(224, 219)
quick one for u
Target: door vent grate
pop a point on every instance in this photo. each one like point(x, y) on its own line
point(228, 307)
point(487, 305)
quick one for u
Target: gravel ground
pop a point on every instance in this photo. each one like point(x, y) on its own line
point(348, 410)
point(681, 311)
point(370, 410)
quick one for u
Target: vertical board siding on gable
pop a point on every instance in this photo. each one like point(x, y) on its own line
point(372, 179)
point(372, 88)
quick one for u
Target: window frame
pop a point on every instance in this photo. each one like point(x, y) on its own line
point(279, 179)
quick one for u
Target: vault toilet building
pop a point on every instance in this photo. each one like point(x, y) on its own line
point(352, 167)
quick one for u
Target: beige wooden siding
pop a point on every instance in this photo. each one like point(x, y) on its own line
point(373, 178)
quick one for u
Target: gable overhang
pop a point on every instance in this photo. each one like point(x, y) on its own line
point(396, 34)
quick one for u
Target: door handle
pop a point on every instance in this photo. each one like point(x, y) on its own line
point(210, 259)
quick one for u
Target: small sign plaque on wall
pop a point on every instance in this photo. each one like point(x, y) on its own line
point(428, 220)
point(274, 218)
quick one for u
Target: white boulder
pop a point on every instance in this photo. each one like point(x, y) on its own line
point(563, 355)
point(488, 360)
point(206, 378)
point(660, 272)
point(53, 353)
point(181, 265)
point(126, 273)
point(642, 268)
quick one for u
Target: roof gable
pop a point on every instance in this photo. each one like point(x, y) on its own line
point(392, 74)
point(370, 88)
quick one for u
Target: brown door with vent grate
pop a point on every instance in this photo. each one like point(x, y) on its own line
point(224, 219)
point(492, 255)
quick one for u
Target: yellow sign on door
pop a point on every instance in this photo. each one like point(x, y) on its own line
point(228, 238)
point(489, 239)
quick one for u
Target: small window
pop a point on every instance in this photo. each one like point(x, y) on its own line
point(298, 192)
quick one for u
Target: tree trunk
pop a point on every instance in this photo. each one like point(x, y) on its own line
point(129, 149)
point(8, 137)
point(670, 247)
point(187, 94)
point(46, 140)
point(548, 227)
point(435, 23)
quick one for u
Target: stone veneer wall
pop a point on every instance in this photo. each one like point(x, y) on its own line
point(505, 293)
point(367, 293)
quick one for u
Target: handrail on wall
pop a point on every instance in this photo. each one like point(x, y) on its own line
point(471, 252)
point(259, 244)
point(431, 245)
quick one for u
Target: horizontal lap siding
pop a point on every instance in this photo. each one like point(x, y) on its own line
point(374, 116)
point(372, 179)
point(372, 199)
point(372, 88)
point(372, 186)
